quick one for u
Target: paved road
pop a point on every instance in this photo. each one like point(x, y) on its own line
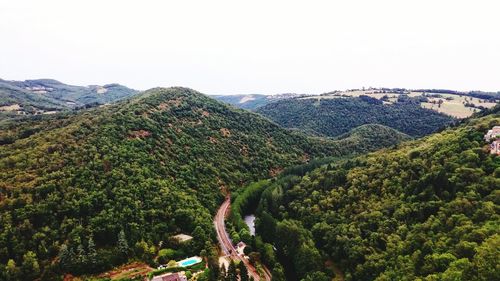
point(227, 246)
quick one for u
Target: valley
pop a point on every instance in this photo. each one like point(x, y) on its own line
point(228, 249)
point(249, 140)
point(453, 103)
point(86, 193)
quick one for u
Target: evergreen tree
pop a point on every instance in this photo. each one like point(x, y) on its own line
point(278, 273)
point(122, 244)
point(200, 237)
point(81, 258)
point(30, 268)
point(231, 272)
point(316, 276)
point(243, 272)
point(13, 272)
point(92, 255)
point(66, 258)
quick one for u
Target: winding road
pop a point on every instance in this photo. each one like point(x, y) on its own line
point(228, 249)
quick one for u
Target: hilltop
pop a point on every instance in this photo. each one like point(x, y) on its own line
point(148, 167)
point(338, 115)
point(46, 96)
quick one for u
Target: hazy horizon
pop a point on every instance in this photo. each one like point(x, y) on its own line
point(229, 47)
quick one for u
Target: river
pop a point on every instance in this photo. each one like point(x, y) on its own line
point(250, 221)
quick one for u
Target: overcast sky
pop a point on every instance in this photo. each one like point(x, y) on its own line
point(241, 47)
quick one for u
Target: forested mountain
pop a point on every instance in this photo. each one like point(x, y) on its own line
point(47, 95)
point(335, 116)
point(83, 191)
point(428, 210)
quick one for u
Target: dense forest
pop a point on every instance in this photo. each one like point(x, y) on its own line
point(335, 116)
point(428, 210)
point(115, 182)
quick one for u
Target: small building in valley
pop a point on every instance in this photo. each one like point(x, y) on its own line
point(182, 237)
point(240, 247)
point(492, 134)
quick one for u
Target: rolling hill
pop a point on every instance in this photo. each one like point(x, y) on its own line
point(113, 181)
point(335, 116)
point(427, 210)
point(45, 96)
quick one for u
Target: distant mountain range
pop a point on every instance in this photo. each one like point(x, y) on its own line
point(332, 117)
point(45, 96)
point(252, 102)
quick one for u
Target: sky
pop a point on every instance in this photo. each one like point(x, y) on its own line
point(254, 47)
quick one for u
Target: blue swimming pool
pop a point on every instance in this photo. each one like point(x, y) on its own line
point(190, 261)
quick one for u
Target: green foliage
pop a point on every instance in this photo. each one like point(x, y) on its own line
point(134, 173)
point(278, 273)
point(165, 255)
point(42, 95)
point(92, 257)
point(243, 202)
point(337, 116)
point(316, 276)
point(486, 259)
point(232, 274)
point(243, 272)
point(122, 244)
point(12, 271)
point(425, 211)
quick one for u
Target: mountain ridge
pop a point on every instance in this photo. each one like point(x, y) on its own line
point(150, 166)
point(426, 210)
point(46, 96)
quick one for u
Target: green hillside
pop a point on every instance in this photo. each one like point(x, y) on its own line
point(335, 116)
point(47, 96)
point(428, 210)
point(148, 167)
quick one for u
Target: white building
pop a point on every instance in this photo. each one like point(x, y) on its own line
point(492, 134)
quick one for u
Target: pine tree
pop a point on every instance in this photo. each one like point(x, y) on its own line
point(66, 258)
point(92, 255)
point(278, 273)
point(243, 272)
point(231, 272)
point(81, 258)
point(122, 244)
